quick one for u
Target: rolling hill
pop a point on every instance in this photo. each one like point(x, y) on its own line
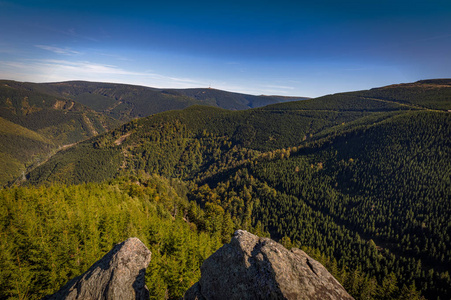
point(35, 124)
point(17, 145)
point(68, 112)
point(361, 179)
point(126, 102)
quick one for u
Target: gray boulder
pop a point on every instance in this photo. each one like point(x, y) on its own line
point(250, 267)
point(118, 275)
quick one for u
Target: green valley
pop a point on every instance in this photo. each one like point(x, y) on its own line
point(360, 180)
point(65, 113)
point(34, 125)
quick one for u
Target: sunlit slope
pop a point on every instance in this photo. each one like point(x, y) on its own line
point(34, 124)
point(61, 120)
point(363, 180)
point(18, 146)
point(57, 232)
point(170, 139)
point(431, 94)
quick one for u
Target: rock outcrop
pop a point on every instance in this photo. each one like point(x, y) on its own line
point(250, 267)
point(118, 275)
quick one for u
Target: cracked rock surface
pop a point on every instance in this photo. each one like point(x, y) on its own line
point(118, 275)
point(250, 267)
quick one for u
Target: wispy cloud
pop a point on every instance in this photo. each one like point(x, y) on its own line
point(57, 50)
point(114, 56)
point(54, 70)
point(281, 87)
point(45, 70)
point(356, 69)
point(254, 89)
point(82, 67)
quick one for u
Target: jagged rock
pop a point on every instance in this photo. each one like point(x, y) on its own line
point(118, 275)
point(250, 267)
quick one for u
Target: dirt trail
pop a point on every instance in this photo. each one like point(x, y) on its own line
point(122, 139)
point(90, 126)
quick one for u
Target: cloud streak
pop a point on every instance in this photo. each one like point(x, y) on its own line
point(82, 67)
point(54, 70)
point(283, 87)
point(45, 70)
point(58, 50)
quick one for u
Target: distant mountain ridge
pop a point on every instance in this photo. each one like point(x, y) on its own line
point(361, 177)
point(230, 100)
point(267, 128)
point(65, 113)
point(35, 122)
point(126, 102)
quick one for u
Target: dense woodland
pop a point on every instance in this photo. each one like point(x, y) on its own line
point(35, 124)
point(54, 233)
point(125, 102)
point(65, 113)
point(360, 181)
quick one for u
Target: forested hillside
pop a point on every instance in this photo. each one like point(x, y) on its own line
point(51, 234)
point(126, 102)
point(34, 125)
point(17, 145)
point(68, 112)
point(359, 180)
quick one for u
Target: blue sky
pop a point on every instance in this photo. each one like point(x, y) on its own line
point(258, 47)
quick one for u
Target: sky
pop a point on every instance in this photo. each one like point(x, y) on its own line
point(298, 48)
